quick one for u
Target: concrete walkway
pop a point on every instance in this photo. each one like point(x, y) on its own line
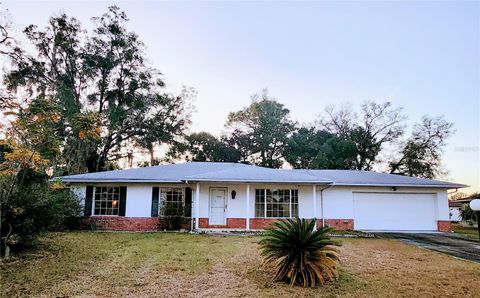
point(458, 246)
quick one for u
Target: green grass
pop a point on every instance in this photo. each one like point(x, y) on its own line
point(468, 232)
point(184, 265)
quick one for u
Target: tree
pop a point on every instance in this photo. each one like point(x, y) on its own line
point(203, 146)
point(263, 128)
point(421, 154)
point(309, 148)
point(98, 83)
point(379, 124)
point(29, 205)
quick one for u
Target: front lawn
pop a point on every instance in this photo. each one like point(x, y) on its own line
point(166, 264)
point(465, 231)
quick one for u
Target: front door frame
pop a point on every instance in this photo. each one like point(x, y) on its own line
point(211, 189)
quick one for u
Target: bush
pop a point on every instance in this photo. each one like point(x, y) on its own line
point(298, 254)
point(173, 217)
point(467, 213)
point(31, 206)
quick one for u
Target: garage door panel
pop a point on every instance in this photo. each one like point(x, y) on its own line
point(399, 211)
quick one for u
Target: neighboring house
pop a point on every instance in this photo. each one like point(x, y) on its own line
point(455, 207)
point(245, 197)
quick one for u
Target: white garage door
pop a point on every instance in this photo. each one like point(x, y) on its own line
point(399, 211)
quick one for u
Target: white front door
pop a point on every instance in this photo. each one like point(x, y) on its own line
point(218, 206)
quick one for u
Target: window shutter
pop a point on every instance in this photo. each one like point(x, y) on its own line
point(155, 194)
point(123, 201)
point(188, 202)
point(88, 201)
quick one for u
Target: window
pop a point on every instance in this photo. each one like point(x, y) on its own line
point(107, 200)
point(172, 200)
point(276, 203)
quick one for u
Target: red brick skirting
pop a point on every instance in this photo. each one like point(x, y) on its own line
point(236, 223)
point(232, 223)
point(261, 223)
point(337, 224)
point(340, 224)
point(444, 226)
point(120, 223)
point(138, 224)
point(203, 223)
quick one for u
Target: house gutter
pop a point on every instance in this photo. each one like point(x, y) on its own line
point(191, 212)
point(321, 203)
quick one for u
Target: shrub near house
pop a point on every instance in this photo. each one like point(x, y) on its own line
point(299, 254)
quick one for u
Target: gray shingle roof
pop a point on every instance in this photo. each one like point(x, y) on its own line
point(236, 172)
point(350, 177)
point(163, 173)
point(257, 174)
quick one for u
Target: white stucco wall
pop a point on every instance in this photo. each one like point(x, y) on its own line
point(79, 191)
point(338, 200)
point(443, 211)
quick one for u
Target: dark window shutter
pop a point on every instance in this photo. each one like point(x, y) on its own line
point(155, 194)
point(188, 202)
point(88, 201)
point(123, 201)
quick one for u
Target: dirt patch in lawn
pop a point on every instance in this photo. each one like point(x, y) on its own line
point(165, 265)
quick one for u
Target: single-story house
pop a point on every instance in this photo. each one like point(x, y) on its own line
point(244, 197)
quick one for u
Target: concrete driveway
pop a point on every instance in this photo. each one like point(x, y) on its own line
point(460, 247)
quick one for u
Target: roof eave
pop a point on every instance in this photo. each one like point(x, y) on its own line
point(120, 181)
point(255, 181)
point(446, 186)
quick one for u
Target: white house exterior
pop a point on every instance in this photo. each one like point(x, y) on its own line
point(244, 197)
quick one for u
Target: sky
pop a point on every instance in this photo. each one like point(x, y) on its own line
point(422, 56)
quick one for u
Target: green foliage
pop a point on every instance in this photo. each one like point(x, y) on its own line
point(309, 148)
point(174, 216)
point(262, 129)
point(367, 147)
point(203, 146)
point(466, 213)
point(298, 254)
point(378, 124)
point(421, 153)
point(91, 94)
point(30, 206)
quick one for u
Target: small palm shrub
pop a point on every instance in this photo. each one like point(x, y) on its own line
point(298, 254)
point(467, 213)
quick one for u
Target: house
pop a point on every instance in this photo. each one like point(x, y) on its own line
point(245, 197)
point(455, 207)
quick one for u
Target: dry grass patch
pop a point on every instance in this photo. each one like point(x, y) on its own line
point(164, 264)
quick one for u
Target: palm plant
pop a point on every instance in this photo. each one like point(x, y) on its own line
point(299, 254)
point(467, 213)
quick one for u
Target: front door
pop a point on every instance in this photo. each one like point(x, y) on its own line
point(218, 206)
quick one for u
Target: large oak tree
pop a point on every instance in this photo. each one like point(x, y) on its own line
point(92, 93)
point(261, 130)
point(378, 124)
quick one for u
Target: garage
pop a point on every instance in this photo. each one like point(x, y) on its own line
point(394, 212)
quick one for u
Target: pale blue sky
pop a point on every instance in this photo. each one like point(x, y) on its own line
point(423, 56)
